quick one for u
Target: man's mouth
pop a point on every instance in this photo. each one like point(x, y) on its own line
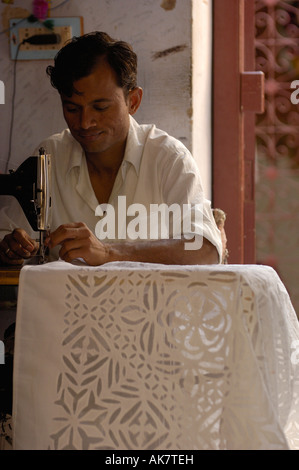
point(89, 137)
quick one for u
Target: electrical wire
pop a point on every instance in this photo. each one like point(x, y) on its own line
point(60, 5)
point(12, 105)
point(11, 27)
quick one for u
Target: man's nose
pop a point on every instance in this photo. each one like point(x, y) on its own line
point(87, 119)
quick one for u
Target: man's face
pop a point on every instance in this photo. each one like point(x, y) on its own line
point(98, 115)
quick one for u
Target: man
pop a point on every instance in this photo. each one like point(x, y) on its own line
point(105, 154)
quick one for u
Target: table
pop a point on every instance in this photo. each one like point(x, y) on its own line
point(9, 276)
point(144, 356)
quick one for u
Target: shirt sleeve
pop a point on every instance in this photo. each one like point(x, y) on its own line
point(181, 183)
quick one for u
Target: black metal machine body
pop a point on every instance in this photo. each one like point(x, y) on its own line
point(30, 184)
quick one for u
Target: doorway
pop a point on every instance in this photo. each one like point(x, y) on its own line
point(238, 95)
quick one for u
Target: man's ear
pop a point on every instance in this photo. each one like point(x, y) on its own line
point(134, 99)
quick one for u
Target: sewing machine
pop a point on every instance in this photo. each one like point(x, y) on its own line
point(30, 184)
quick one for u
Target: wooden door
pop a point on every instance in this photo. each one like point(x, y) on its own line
point(237, 96)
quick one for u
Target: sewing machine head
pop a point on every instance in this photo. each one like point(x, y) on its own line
point(30, 184)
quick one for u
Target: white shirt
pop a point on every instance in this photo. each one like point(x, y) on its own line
point(156, 169)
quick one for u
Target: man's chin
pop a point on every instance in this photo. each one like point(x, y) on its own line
point(91, 147)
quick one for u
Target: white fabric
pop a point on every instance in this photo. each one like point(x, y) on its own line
point(143, 356)
point(156, 169)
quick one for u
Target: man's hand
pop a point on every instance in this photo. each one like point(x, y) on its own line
point(77, 241)
point(16, 247)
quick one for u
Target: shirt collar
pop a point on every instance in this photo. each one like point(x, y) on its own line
point(75, 155)
point(134, 146)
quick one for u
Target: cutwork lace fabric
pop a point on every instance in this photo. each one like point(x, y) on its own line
point(143, 356)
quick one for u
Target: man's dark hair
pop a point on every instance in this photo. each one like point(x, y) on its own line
point(80, 55)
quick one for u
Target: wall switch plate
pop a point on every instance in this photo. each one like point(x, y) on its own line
point(22, 29)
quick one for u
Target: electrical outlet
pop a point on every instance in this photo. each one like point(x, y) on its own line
point(66, 28)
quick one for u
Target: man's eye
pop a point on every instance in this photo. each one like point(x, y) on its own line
point(71, 110)
point(101, 108)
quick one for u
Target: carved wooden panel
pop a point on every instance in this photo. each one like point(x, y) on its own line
point(277, 131)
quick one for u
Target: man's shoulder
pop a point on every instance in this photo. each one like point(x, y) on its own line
point(61, 143)
point(152, 136)
point(65, 151)
point(60, 138)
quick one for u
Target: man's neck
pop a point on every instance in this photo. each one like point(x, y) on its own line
point(103, 169)
point(106, 162)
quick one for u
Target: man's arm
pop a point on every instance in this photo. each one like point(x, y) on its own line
point(164, 251)
point(77, 241)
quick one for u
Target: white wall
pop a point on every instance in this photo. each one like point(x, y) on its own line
point(151, 26)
